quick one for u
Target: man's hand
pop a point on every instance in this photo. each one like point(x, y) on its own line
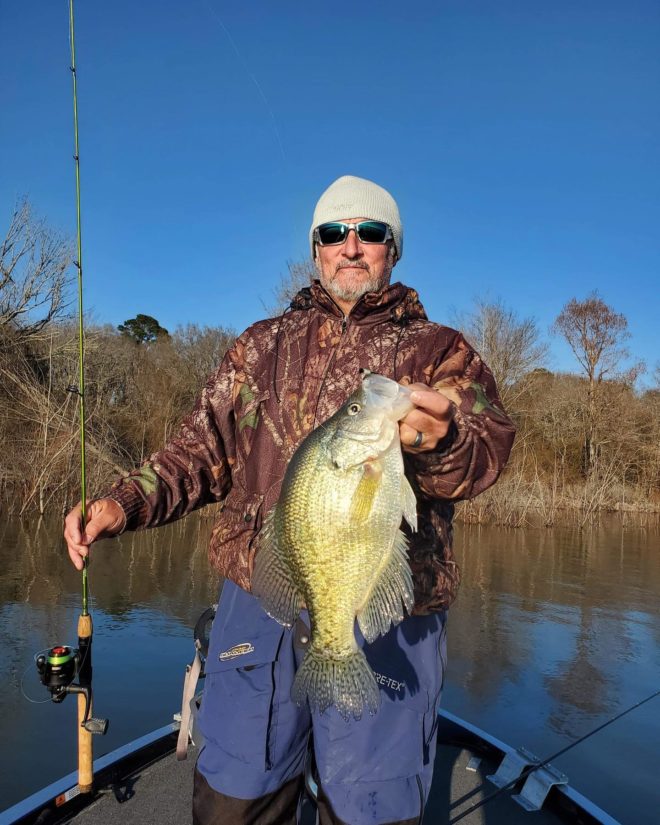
point(105, 519)
point(432, 416)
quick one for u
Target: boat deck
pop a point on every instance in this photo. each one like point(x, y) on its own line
point(143, 783)
point(161, 793)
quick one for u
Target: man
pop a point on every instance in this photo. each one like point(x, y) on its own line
point(282, 378)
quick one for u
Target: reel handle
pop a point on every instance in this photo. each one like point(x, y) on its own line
point(95, 725)
point(91, 724)
point(57, 671)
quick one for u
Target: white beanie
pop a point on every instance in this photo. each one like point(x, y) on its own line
point(351, 197)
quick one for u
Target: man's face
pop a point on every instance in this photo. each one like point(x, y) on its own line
point(349, 270)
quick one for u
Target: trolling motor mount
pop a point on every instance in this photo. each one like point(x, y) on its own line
point(57, 670)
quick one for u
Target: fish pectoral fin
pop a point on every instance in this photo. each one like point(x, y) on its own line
point(365, 492)
point(391, 593)
point(408, 503)
point(272, 582)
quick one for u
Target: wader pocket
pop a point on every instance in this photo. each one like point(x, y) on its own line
point(394, 743)
point(388, 745)
point(238, 694)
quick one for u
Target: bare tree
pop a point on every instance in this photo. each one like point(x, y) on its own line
point(39, 424)
point(510, 345)
point(202, 349)
point(33, 275)
point(595, 333)
point(300, 274)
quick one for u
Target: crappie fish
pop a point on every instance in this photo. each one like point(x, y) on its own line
point(333, 544)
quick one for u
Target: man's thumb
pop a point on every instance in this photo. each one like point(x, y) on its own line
point(92, 531)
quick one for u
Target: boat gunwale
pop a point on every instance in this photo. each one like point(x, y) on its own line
point(476, 739)
point(45, 797)
point(493, 743)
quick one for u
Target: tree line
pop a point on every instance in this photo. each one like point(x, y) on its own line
point(587, 441)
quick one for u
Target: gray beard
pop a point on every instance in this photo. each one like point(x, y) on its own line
point(354, 293)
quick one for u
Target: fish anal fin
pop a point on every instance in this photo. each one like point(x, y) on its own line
point(391, 593)
point(272, 582)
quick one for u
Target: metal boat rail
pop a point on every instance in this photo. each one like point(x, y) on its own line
point(470, 764)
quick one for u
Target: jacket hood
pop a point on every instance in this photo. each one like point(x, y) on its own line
point(397, 303)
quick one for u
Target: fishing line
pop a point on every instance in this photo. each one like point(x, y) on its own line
point(31, 666)
point(21, 683)
point(556, 755)
point(252, 77)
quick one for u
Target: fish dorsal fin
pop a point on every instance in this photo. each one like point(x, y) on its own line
point(391, 592)
point(365, 492)
point(408, 503)
point(272, 581)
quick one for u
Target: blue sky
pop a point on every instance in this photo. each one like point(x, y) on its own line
point(520, 139)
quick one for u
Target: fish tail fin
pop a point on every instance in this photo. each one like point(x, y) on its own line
point(347, 683)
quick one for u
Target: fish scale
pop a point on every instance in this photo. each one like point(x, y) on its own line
point(333, 543)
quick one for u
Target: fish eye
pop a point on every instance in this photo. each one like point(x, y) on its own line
point(354, 409)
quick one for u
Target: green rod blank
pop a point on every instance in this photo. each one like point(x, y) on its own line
point(81, 331)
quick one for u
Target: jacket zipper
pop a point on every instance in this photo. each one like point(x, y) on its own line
point(344, 325)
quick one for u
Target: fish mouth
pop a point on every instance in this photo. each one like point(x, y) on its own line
point(384, 393)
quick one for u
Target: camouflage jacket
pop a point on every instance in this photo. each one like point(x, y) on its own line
point(286, 375)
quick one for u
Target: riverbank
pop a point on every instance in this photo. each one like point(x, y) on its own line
point(512, 502)
point(565, 467)
point(517, 502)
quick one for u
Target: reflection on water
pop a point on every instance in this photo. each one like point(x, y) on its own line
point(147, 591)
point(553, 632)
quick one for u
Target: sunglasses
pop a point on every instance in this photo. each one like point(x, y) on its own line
point(335, 233)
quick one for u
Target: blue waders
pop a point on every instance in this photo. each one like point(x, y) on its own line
point(371, 771)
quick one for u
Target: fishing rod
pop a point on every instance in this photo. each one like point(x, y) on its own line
point(538, 766)
point(59, 667)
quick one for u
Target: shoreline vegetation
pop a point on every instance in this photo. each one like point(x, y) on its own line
point(588, 442)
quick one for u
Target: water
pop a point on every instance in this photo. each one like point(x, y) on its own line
point(553, 632)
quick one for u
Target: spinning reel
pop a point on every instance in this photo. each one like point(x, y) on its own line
point(57, 670)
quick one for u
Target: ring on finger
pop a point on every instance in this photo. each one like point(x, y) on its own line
point(418, 439)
